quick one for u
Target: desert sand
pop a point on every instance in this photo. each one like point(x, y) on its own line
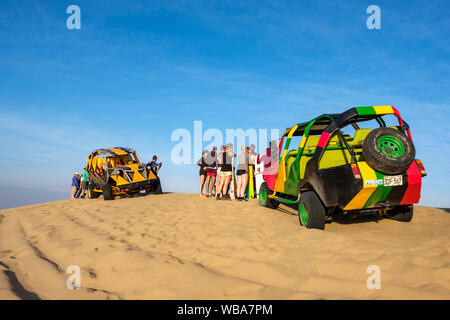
point(178, 246)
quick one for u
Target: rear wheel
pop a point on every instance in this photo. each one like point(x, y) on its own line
point(91, 193)
point(107, 192)
point(311, 212)
point(402, 213)
point(264, 199)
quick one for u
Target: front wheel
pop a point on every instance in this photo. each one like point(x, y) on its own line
point(311, 212)
point(107, 192)
point(264, 199)
point(91, 193)
point(158, 189)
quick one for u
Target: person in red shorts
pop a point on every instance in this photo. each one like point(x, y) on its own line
point(211, 171)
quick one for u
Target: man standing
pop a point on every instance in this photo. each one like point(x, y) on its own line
point(154, 164)
point(75, 185)
point(84, 183)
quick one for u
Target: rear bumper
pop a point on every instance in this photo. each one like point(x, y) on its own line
point(141, 185)
point(337, 186)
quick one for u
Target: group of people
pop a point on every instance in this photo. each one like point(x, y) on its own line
point(219, 166)
point(80, 184)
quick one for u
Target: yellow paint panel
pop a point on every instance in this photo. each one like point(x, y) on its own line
point(291, 133)
point(121, 181)
point(281, 177)
point(151, 175)
point(137, 177)
point(383, 109)
point(361, 197)
point(117, 151)
point(303, 142)
point(133, 166)
point(366, 171)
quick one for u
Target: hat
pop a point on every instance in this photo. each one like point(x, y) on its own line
point(77, 174)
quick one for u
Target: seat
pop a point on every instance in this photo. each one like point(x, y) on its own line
point(359, 137)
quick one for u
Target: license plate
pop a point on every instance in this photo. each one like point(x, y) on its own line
point(390, 181)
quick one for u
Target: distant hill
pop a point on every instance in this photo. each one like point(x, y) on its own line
point(11, 197)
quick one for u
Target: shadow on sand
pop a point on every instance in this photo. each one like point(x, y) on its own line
point(137, 195)
point(340, 218)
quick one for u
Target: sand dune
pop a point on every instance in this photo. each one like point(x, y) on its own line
point(177, 246)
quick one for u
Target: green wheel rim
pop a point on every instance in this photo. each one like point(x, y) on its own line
point(390, 146)
point(262, 197)
point(303, 212)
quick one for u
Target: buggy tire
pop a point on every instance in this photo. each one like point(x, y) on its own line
point(311, 211)
point(264, 199)
point(402, 213)
point(388, 151)
point(107, 192)
point(91, 193)
point(158, 188)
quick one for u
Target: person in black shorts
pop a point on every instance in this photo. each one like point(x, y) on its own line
point(202, 172)
point(242, 174)
point(226, 158)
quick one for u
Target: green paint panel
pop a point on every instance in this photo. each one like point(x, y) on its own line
point(374, 198)
point(379, 194)
point(291, 185)
point(365, 111)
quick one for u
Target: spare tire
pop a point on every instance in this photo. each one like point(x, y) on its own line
point(388, 150)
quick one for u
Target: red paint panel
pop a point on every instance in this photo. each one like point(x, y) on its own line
point(270, 180)
point(412, 194)
point(323, 139)
point(280, 147)
point(400, 121)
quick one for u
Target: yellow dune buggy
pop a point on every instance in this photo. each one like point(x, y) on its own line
point(119, 172)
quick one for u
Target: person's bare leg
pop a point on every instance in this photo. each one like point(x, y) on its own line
point(219, 178)
point(202, 183)
point(219, 186)
point(238, 191)
point(225, 184)
point(208, 181)
point(244, 184)
point(213, 183)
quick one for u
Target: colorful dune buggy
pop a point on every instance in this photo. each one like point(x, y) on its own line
point(119, 172)
point(331, 171)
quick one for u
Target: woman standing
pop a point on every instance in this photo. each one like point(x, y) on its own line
point(225, 173)
point(219, 167)
point(211, 170)
point(202, 172)
point(242, 173)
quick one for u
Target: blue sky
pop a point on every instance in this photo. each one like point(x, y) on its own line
point(138, 70)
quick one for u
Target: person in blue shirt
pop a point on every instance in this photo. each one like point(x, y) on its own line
point(154, 164)
point(75, 184)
